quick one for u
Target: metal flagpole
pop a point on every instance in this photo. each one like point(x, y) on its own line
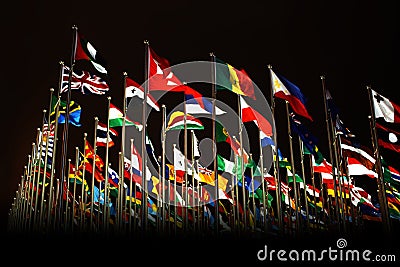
point(96, 121)
point(106, 185)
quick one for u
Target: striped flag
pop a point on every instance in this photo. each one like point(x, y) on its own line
point(101, 135)
point(177, 122)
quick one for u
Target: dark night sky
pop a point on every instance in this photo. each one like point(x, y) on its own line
point(352, 43)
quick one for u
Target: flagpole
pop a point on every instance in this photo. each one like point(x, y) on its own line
point(26, 193)
point(144, 154)
point(296, 194)
point(130, 193)
point(328, 130)
point(313, 184)
point(304, 183)
point(264, 192)
point(242, 167)
point(214, 147)
point(252, 198)
point(34, 187)
point(66, 125)
point(67, 197)
point(123, 133)
point(185, 210)
point(237, 193)
point(106, 186)
point(193, 199)
point(175, 202)
point(276, 163)
point(83, 192)
point(96, 121)
point(163, 164)
point(38, 176)
point(57, 107)
point(31, 189)
point(380, 181)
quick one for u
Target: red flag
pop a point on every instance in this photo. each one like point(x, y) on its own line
point(250, 114)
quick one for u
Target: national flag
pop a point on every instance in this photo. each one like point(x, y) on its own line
point(284, 89)
point(226, 165)
point(90, 154)
point(200, 106)
point(250, 114)
point(74, 111)
point(179, 163)
point(84, 81)
point(388, 138)
point(116, 118)
point(86, 51)
point(176, 121)
point(101, 135)
point(309, 140)
point(395, 175)
point(222, 135)
point(207, 176)
point(355, 167)
point(386, 109)
point(361, 154)
point(196, 151)
point(266, 140)
point(230, 78)
point(47, 143)
point(133, 89)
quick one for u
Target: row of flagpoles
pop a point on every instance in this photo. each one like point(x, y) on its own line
point(57, 194)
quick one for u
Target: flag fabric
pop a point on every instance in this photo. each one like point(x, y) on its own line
point(86, 51)
point(74, 112)
point(47, 143)
point(395, 175)
point(250, 114)
point(386, 109)
point(101, 135)
point(355, 167)
point(196, 151)
point(309, 140)
point(89, 154)
point(200, 106)
point(237, 81)
point(266, 140)
point(222, 135)
point(133, 89)
point(284, 89)
point(177, 122)
point(388, 138)
point(116, 119)
point(84, 81)
point(226, 165)
point(360, 154)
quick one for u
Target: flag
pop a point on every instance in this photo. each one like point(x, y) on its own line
point(250, 114)
point(395, 175)
point(177, 121)
point(89, 154)
point(388, 138)
point(284, 89)
point(200, 106)
point(237, 81)
point(84, 81)
point(116, 118)
point(360, 154)
point(134, 89)
point(309, 140)
point(179, 162)
point(101, 135)
point(357, 168)
point(384, 108)
point(86, 51)
point(74, 111)
point(266, 140)
point(196, 152)
point(222, 135)
point(226, 165)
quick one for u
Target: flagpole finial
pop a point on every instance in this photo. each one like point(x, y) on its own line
point(96, 119)
point(269, 66)
point(368, 87)
point(109, 98)
point(212, 54)
point(74, 27)
point(322, 77)
point(85, 134)
point(61, 62)
point(51, 89)
point(369, 117)
point(146, 42)
point(125, 73)
point(44, 111)
point(131, 139)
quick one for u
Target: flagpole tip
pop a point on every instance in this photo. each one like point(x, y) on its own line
point(368, 87)
point(61, 62)
point(96, 119)
point(85, 134)
point(269, 66)
point(369, 117)
point(212, 54)
point(74, 27)
point(322, 77)
point(146, 42)
point(44, 111)
point(51, 89)
point(125, 73)
point(109, 97)
point(131, 139)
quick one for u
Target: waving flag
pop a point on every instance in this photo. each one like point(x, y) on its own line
point(134, 89)
point(237, 81)
point(250, 114)
point(84, 81)
point(388, 138)
point(284, 89)
point(86, 51)
point(176, 122)
point(386, 109)
point(200, 106)
point(89, 154)
point(357, 168)
point(116, 118)
point(101, 135)
point(74, 112)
